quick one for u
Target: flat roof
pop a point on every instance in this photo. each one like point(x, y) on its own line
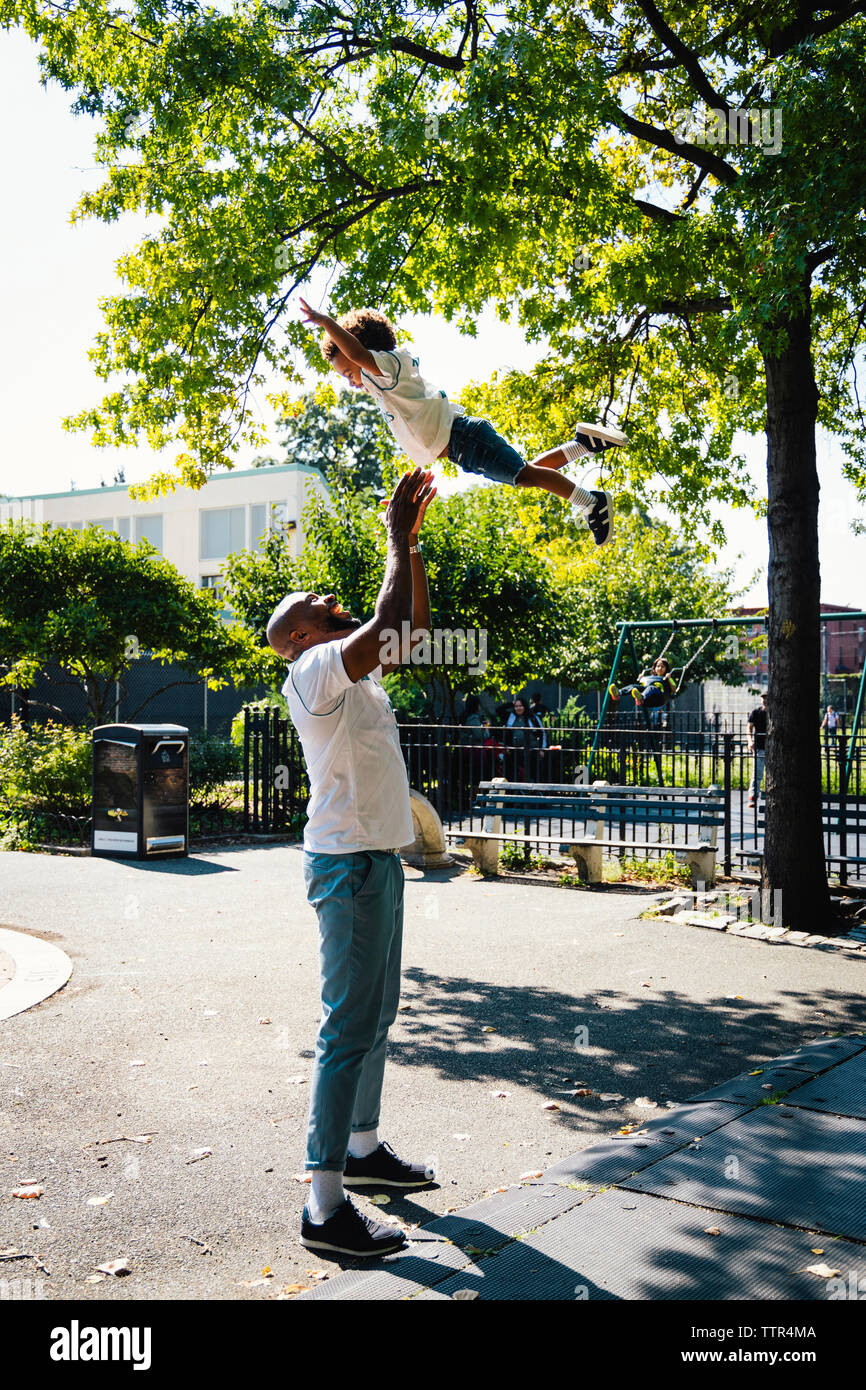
point(214, 478)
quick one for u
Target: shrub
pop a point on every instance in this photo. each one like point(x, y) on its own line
point(214, 765)
point(48, 766)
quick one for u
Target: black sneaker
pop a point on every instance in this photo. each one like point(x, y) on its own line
point(594, 439)
point(348, 1232)
point(383, 1168)
point(599, 518)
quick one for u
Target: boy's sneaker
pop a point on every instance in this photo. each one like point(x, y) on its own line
point(613, 692)
point(594, 439)
point(599, 517)
point(348, 1232)
point(383, 1168)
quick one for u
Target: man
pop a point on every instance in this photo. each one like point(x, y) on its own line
point(757, 745)
point(537, 705)
point(830, 723)
point(358, 817)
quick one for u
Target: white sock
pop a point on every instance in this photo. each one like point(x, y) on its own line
point(363, 1143)
point(581, 498)
point(326, 1194)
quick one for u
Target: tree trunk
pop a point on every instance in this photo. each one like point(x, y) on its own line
point(793, 850)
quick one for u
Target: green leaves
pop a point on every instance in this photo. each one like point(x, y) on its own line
point(73, 598)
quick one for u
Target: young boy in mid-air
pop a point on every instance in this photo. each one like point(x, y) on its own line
point(362, 347)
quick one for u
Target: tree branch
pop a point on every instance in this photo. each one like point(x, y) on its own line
point(664, 140)
point(806, 26)
point(658, 214)
point(686, 57)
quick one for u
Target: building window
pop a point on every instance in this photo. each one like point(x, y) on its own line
point(258, 524)
point(122, 527)
point(74, 525)
point(103, 522)
point(211, 581)
point(149, 528)
point(222, 532)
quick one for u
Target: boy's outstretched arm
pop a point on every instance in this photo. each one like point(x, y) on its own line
point(346, 342)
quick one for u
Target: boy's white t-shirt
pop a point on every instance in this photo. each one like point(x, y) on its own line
point(359, 788)
point(419, 415)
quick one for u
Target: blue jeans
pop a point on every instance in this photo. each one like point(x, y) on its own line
point(476, 447)
point(757, 772)
point(359, 902)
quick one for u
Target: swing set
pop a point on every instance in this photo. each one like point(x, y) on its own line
point(715, 625)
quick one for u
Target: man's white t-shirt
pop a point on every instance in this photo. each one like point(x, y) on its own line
point(359, 788)
point(419, 415)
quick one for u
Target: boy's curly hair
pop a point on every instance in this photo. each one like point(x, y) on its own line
point(371, 329)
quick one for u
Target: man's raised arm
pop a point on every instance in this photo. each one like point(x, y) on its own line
point(362, 652)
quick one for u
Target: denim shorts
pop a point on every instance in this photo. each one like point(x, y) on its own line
point(476, 447)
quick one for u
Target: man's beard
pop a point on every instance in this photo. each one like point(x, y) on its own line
point(342, 623)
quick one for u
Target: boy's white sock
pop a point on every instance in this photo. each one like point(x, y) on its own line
point(326, 1194)
point(581, 498)
point(363, 1143)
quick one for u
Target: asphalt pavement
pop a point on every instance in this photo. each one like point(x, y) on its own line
point(159, 1098)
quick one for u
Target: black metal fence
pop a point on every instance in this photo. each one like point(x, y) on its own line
point(446, 763)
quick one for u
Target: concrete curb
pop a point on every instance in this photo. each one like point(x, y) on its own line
point(40, 970)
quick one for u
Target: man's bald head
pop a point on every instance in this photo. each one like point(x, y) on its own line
point(303, 619)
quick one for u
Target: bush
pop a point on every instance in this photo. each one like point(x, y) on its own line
point(46, 766)
point(214, 765)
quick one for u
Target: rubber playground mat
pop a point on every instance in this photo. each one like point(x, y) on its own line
point(723, 1197)
point(841, 1091)
point(620, 1245)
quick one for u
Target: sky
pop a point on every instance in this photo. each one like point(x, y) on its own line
point(55, 275)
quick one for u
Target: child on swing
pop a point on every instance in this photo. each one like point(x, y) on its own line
point(362, 347)
point(652, 689)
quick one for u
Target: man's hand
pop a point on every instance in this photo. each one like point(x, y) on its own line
point(408, 504)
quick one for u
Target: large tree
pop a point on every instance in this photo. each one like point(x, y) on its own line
point(691, 276)
point(78, 607)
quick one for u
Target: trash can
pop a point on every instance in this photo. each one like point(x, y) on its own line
point(140, 791)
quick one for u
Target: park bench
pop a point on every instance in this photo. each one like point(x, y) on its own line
point(848, 820)
point(697, 811)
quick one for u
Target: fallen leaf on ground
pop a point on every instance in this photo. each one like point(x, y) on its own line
point(644, 1103)
point(464, 1295)
point(288, 1292)
point(609, 1095)
point(499, 1095)
point(115, 1267)
point(712, 1231)
point(488, 1029)
point(138, 1064)
point(380, 1200)
point(296, 1080)
point(645, 984)
point(536, 1173)
point(823, 1271)
point(550, 1105)
point(402, 1008)
point(317, 1274)
point(817, 1252)
point(302, 1177)
point(99, 1201)
point(199, 1154)
point(29, 1190)
point(264, 1020)
point(758, 1072)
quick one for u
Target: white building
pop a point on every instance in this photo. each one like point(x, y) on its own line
point(194, 530)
